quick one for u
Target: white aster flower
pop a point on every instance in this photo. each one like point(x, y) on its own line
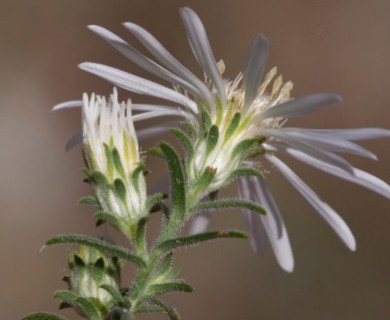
point(112, 157)
point(263, 107)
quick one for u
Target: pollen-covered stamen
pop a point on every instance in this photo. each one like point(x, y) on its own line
point(272, 92)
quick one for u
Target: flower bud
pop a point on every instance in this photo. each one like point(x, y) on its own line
point(89, 269)
point(114, 167)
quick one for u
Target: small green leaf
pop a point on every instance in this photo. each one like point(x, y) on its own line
point(243, 147)
point(252, 151)
point(171, 312)
point(156, 152)
point(89, 200)
point(110, 164)
point(43, 316)
point(232, 126)
point(116, 295)
point(167, 262)
point(120, 189)
point(175, 286)
point(206, 119)
point(178, 187)
point(202, 184)
point(189, 126)
point(97, 178)
point(116, 158)
point(153, 200)
point(229, 203)
point(141, 230)
point(220, 111)
point(83, 304)
point(185, 140)
point(105, 216)
point(135, 176)
point(181, 242)
point(212, 139)
point(246, 171)
point(104, 246)
point(98, 270)
point(144, 308)
point(86, 171)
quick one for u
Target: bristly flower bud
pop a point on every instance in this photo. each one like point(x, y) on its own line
point(114, 167)
point(89, 269)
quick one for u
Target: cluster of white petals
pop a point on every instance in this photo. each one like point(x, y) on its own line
point(111, 149)
point(264, 104)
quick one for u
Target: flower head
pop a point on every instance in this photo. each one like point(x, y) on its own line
point(112, 157)
point(236, 120)
point(89, 270)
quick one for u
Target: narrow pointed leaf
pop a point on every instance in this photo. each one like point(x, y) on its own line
point(105, 216)
point(246, 171)
point(185, 140)
point(167, 262)
point(109, 159)
point(134, 177)
point(145, 308)
point(212, 139)
point(189, 126)
point(116, 158)
point(229, 203)
point(233, 126)
point(89, 200)
point(98, 270)
point(204, 181)
point(98, 244)
point(154, 199)
point(244, 146)
point(84, 304)
point(116, 295)
point(120, 189)
point(43, 316)
point(98, 178)
point(171, 312)
point(174, 244)
point(178, 187)
point(156, 152)
point(176, 286)
point(206, 119)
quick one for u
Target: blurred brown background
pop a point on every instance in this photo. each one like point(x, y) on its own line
point(335, 46)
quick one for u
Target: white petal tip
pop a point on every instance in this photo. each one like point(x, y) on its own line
point(83, 65)
point(338, 99)
point(67, 105)
point(93, 27)
point(288, 268)
point(129, 25)
point(352, 245)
